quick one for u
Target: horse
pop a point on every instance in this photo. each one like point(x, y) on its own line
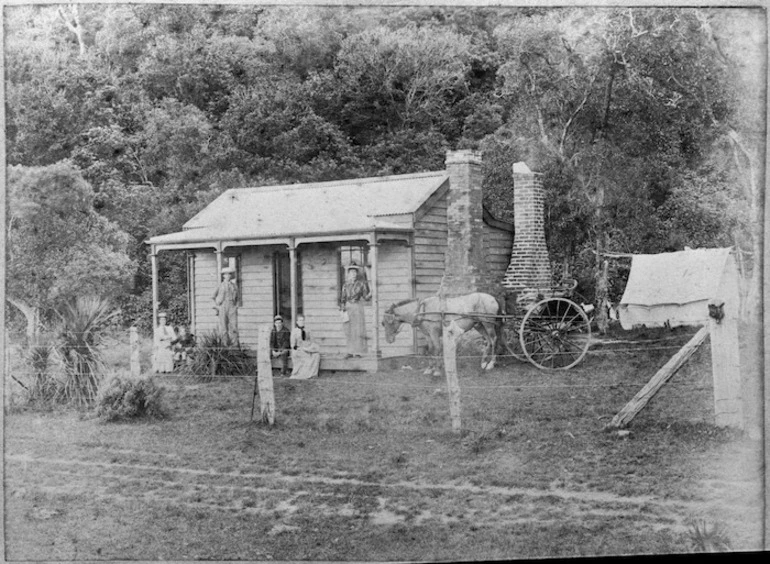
point(471, 311)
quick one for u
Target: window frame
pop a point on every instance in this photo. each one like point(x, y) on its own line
point(349, 246)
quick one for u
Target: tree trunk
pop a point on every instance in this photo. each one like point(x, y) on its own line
point(32, 315)
point(74, 25)
point(602, 286)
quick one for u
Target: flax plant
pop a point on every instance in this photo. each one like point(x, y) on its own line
point(79, 332)
point(43, 387)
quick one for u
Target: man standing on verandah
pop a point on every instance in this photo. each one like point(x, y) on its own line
point(226, 300)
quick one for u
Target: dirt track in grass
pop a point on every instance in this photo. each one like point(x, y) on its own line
point(363, 467)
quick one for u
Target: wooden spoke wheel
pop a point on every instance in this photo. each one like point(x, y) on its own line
point(512, 342)
point(555, 334)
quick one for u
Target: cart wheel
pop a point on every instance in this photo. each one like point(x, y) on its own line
point(555, 334)
point(510, 337)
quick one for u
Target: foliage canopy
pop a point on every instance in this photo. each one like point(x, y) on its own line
point(643, 121)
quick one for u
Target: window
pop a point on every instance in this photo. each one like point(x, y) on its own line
point(356, 253)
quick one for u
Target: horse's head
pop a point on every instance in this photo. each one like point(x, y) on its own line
point(392, 324)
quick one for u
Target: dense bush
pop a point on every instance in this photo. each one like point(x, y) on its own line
point(215, 356)
point(123, 399)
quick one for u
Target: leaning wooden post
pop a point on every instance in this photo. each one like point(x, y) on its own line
point(450, 368)
point(265, 376)
point(134, 342)
point(629, 411)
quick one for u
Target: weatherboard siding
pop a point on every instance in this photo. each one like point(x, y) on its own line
point(497, 247)
point(394, 268)
point(430, 246)
point(205, 272)
point(256, 293)
point(320, 289)
point(256, 287)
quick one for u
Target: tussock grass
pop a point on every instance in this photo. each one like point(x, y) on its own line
point(214, 356)
point(706, 537)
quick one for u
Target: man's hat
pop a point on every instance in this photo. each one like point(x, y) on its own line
point(278, 318)
point(354, 266)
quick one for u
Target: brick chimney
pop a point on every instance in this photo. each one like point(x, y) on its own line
point(530, 266)
point(464, 265)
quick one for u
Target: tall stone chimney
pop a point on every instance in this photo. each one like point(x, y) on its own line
point(464, 265)
point(530, 266)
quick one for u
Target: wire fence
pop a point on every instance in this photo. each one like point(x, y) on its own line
point(18, 365)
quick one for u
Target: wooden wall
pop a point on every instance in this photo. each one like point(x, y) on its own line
point(320, 288)
point(498, 244)
point(205, 273)
point(256, 292)
point(320, 271)
point(394, 268)
point(430, 244)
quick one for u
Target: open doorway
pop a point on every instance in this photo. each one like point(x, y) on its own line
point(282, 284)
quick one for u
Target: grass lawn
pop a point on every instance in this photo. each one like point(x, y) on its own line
point(366, 467)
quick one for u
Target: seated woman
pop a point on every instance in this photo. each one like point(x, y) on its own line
point(305, 354)
point(183, 345)
point(163, 360)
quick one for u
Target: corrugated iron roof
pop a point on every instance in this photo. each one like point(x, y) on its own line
point(323, 207)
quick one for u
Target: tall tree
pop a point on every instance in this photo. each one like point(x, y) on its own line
point(621, 106)
point(57, 245)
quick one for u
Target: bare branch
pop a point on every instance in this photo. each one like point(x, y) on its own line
point(74, 25)
point(738, 146)
point(567, 125)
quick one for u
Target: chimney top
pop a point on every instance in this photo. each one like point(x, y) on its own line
point(463, 156)
point(521, 168)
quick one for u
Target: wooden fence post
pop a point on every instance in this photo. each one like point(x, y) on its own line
point(134, 342)
point(449, 346)
point(265, 376)
point(726, 368)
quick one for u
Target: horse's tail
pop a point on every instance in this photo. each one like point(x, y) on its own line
point(500, 304)
point(499, 322)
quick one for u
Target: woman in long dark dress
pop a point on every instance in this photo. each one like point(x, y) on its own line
point(305, 354)
point(354, 293)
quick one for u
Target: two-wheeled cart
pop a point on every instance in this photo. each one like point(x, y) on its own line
point(546, 327)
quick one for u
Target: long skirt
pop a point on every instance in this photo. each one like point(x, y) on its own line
point(164, 357)
point(304, 364)
point(355, 329)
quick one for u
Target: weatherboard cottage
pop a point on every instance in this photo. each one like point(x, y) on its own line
point(289, 247)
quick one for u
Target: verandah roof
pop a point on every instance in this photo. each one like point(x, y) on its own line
point(346, 206)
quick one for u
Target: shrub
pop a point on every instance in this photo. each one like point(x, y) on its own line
point(124, 399)
point(214, 356)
